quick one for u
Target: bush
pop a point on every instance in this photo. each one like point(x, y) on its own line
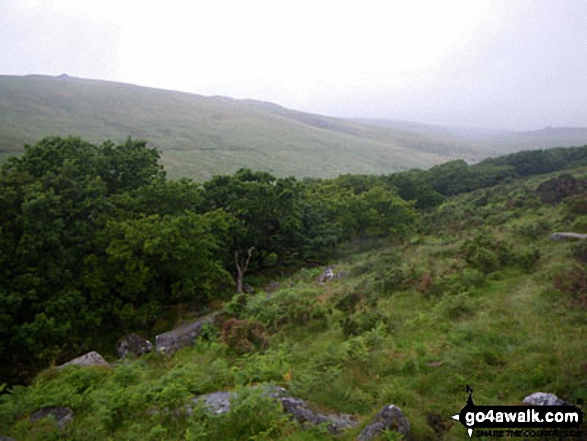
point(487, 254)
point(455, 306)
point(451, 282)
point(527, 259)
point(580, 225)
point(535, 230)
point(579, 252)
point(574, 283)
point(577, 205)
point(243, 336)
point(348, 302)
point(360, 322)
point(294, 307)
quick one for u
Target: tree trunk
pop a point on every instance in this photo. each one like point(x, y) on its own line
point(241, 268)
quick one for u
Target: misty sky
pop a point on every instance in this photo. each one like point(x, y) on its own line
point(512, 64)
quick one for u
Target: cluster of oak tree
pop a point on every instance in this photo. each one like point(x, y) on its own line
point(94, 238)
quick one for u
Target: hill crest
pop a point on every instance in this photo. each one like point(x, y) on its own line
point(203, 136)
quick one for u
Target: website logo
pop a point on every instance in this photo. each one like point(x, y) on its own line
point(560, 421)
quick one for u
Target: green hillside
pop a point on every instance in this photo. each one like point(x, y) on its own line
point(469, 289)
point(494, 141)
point(202, 136)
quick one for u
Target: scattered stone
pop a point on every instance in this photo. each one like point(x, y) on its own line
point(567, 236)
point(62, 415)
point(172, 341)
point(544, 399)
point(329, 274)
point(216, 402)
point(89, 359)
point(6, 438)
point(326, 275)
point(301, 411)
point(133, 345)
point(389, 418)
point(219, 402)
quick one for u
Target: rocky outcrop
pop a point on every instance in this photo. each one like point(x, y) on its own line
point(6, 438)
point(390, 418)
point(62, 415)
point(216, 402)
point(544, 399)
point(89, 359)
point(567, 236)
point(172, 341)
point(298, 409)
point(302, 412)
point(132, 346)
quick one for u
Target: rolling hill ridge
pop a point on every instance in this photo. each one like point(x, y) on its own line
point(203, 136)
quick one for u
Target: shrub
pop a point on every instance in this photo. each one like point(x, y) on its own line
point(577, 205)
point(481, 254)
point(579, 252)
point(296, 307)
point(455, 306)
point(574, 283)
point(398, 278)
point(535, 230)
point(243, 336)
point(348, 302)
point(236, 305)
point(454, 281)
point(580, 225)
point(488, 254)
point(271, 365)
point(527, 259)
point(360, 322)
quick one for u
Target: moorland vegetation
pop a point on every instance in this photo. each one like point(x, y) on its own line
point(447, 278)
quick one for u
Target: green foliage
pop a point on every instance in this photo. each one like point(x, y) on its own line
point(293, 307)
point(363, 207)
point(413, 186)
point(272, 365)
point(408, 324)
point(579, 252)
point(167, 259)
point(54, 201)
point(488, 254)
point(360, 322)
point(243, 336)
point(252, 415)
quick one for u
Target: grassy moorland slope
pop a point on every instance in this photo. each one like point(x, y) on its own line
point(202, 136)
point(497, 141)
point(480, 296)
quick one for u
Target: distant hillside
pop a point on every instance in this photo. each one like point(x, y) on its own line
point(496, 142)
point(202, 136)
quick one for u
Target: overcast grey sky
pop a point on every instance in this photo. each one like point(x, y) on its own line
point(517, 64)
